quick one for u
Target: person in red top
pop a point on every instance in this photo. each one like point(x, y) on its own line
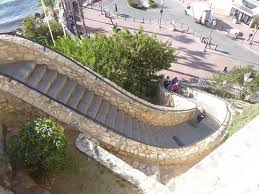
point(175, 87)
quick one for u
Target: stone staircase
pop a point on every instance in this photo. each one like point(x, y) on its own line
point(68, 92)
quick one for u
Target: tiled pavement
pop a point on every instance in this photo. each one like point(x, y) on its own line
point(191, 63)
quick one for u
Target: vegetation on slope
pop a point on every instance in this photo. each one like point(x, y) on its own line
point(241, 120)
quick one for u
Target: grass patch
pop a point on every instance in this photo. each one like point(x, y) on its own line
point(241, 120)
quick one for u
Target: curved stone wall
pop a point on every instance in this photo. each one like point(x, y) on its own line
point(106, 138)
point(13, 48)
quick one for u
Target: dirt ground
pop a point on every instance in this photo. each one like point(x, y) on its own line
point(83, 175)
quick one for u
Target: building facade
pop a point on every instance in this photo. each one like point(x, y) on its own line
point(244, 11)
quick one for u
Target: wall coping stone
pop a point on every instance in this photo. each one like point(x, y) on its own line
point(146, 184)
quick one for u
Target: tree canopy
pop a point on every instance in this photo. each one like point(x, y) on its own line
point(131, 60)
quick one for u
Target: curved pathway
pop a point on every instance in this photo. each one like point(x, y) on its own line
point(79, 97)
point(68, 92)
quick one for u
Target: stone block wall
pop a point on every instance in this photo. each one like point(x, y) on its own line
point(23, 95)
point(174, 100)
point(13, 48)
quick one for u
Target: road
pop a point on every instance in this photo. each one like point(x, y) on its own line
point(173, 10)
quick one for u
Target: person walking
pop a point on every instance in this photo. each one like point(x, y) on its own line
point(167, 82)
point(175, 80)
point(201, 115)
point(225, 71)
point(116, 10)
point(250, 35)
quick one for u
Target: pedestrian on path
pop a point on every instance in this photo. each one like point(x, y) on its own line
point(175, 87)
point(167, 82)
point(201, 115)
point(116, 10)
point(175, 80)
point(250, 35)
point(225, 71)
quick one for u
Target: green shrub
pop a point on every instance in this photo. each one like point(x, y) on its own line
point(36, 29)
point(152, 3)
point(131, 60)
point(133, 3)
point(40, 147)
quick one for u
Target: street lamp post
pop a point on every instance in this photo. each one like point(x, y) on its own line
point(214, 23)
point(257, 27)
point(161, 12)
point(160, 20)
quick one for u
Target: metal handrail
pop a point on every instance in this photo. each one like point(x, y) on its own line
point(100, 77)
point(60, 102)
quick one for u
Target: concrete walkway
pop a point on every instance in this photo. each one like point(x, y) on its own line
point(231, 168)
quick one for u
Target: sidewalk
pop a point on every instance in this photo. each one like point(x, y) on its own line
point(191, 63)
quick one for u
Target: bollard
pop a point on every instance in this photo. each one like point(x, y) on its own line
point(188, 29)
point(134, 19)
point(158, 21)
point(143, 20)
point(216, 47)
point(150, 21)
point(125, 18)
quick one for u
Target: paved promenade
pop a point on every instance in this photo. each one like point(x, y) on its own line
point(191, 63)
point(174, 10)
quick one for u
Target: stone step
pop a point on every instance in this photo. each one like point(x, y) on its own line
point(119, 122)
point(76, 96)
point(20, 71)
point(128, 126)
point(36, 76)
point(178, 141)
point(136, 134)
point(85, 101)
point(111, 117)
point(57, 85)
point(47, 80)
point(67, 90)
point(186, 133)
point(142, 130)
point(103, 112)
point(203, 130)
point(94, 107)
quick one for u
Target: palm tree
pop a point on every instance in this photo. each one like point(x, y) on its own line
point(80, 5)
point(51, 5)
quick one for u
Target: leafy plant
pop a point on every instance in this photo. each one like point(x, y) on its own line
point(236, 76)
point(152, 3)
point(40, 147)
point(130, 60)
point(36, 29)
point(133, 3)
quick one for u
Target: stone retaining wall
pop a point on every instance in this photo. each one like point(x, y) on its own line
point(174, 100)
point(108, 139)
point(13, 48)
